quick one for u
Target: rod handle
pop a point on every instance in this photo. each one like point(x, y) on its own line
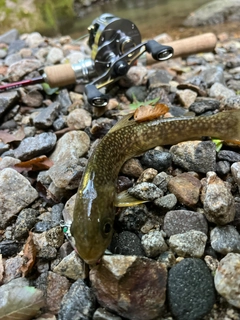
point(60, 75)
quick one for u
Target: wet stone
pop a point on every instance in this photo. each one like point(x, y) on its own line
point(161, 181)
point(153, 244)
point(147, 175)
point(9, 248)
point(227, 278)
point(228, 155)
point(132, 168)
point(35, 146)
point(167, 202)
point(223, 167)
point(133, 218)
point(46, 116)
point(24, 223)
point(16, 193)
point(78, 303)
point(198, 156)
point(218, 202)
point(145, 191)
point(7, 99)
point(126, 243)
point(191, 292)
point(189, 244)
point(71, 267)
point(225, 239)
point(157, 160)
point(202, 105)
point(186, 188)
point(180, 221)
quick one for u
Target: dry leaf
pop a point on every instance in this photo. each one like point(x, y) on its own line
point(35, 164)
point(29, 253)
point(7, 137)
point(146, 113)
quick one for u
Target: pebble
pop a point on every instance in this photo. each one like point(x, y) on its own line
point(186, 188)
point(223, 167)
point(12, 58)
point(64, 99)
point(9, 36)
point(55, 55)
point(191, 293)
point(219, 91)
point(225, 239)
point(7, 99)
point(119, 283)
point(12, 268)
point(202, 104)
point(79, 119)
point(19, 69)
point(133, 218)
point(132, 168)
point(227, 278)
point(45, 118)
point(158, 160)
point(24, 223)
point(9, 248)
point(33, 98)
point(235, 170)
point(180, 221)
point(126, 243)
point(78, 303)
point(198, 156)
point(154, 244)
point(145, 191)
point(137, 76)
point(218, 202)
point(147, 175)
point(16, 193)
point(228, 155)
point(213, 75)
point(189, 244)
point(103, 314)
point(136, 92)
point(34, 39)
point(161, 181)
point(232, 102)
point(186, 97)
point(35, 146)
point(167, 258)
point(71, 267)
point(159, 77)
point(167, 202)
point(8, 162)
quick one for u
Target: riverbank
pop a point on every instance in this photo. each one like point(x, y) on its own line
point(170, 254)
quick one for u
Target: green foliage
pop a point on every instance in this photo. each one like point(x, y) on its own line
point(48, 90)
point(136, 104)
point(218, 144)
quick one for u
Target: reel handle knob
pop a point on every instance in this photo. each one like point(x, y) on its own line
point(159, 52)
point(95, 97)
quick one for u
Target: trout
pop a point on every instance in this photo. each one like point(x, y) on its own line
point(94, 210)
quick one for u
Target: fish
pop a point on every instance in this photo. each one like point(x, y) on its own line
point(94, 210)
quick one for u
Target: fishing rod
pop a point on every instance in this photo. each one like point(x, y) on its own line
point(115, 46)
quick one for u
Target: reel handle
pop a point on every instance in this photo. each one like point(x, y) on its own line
point(95, 97)
point(159, 51)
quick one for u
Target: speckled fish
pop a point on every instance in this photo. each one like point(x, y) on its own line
point(94, 211)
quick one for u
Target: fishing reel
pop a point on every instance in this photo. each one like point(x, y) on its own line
point(116, 45)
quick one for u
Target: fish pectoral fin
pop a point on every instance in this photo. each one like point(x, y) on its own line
point(124, 122)
point(124, 199)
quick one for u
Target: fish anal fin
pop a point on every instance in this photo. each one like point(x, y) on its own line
point(124, 199)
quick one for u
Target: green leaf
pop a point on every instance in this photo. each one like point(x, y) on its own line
point(18, 301)
point(49, 91)
point(136, 104)
point(218, 144)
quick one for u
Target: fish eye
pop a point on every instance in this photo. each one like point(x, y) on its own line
point(107, 228)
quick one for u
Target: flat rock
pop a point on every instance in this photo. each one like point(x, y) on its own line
point(220, 92)
point(202, 105)
point(16, 193)
point(71, 267)
point(145, 191)
point(133, 287)
point(7, 100)
point(158, 160)
point(126, 243)
point(24, 223)
point(19, 69)
point(45, 118)
point(132, 168)
point(225, 239)
point(154, 244)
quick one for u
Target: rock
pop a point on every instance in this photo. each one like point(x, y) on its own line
point(161, 181)
point(167, 202)
point(161, 94)
point(147, 175)
point(218, 202)
point(186, 188)
point(189, 244)
point(126, 243)
point(19, 69)
point(133, 218)
point(227, 278)
point(214, 12)
point(34, 39)
point(16, 193)
point(213, 75)
point(64, 99)
point(202, 105)
point(136, 92)
point(9, 36)
point(180, 221)
point(132, 168)
point(228, 155)
point(153, 244)
point(33, 98)
point(145, 191)
point(225, 239)
point(78, 303)
point(12, 58)
point(24, 223)
point(9, 248)
point(12, 268)
point(186, 97)
point(133, 287)
point(79, 119)
point(103, 314)
point(45, 118)
point(8, 162)
point(158, 78)
point(223, 167)
point(35, 146)
point(55, 55)
point(59, 123)
point(191, 292)
point(7, 100)
point(137, 76)
point(168, 259)
point(235, 170)
point(219, 91)
point(198, 156)
point(157, 160)
point(71, 267)
point(4, 147)
point(234, 85)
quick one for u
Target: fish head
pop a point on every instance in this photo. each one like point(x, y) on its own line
point(92, 225)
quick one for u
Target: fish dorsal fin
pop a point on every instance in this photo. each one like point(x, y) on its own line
point(124, 199)
point(124, 122)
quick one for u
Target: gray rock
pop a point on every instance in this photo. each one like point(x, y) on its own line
point(9, 248)
point(202, 105)
point(235, 170)
point(35, 146)
point(186, 97)
point(79, 119)
point(145, 191)
point(71, 267)
point(215, 12)
point(55, 55)
point(9, 36)
point(33, 98)
point(217, 199)
point(161, 181)
point(59, 123)
point(158, 78)
point(138, 92)
point(46, 116)
point(16, 193)
point(180, 221)
point(156, 159)
point(78, 303)
point(167, 202)
point(34, 39)
point(16, 46)
point(213, 75)
point(198, 156)
point(223, 167)
point(8, 162)
point(219, 91)
point(126, 243)
point(189, 244)
point(225, 239)
point(64, 99)
point(4, 147)
point(234, 85)
point(133, 218)
point(25, 221)
point(137, 76)
point(12, 58)
point(103, 314)
point(19, 69)
point(191, 292)
point(153, 244)
point(232, 102)
point(7, 99)
point(227, 278)
point(228, 155)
